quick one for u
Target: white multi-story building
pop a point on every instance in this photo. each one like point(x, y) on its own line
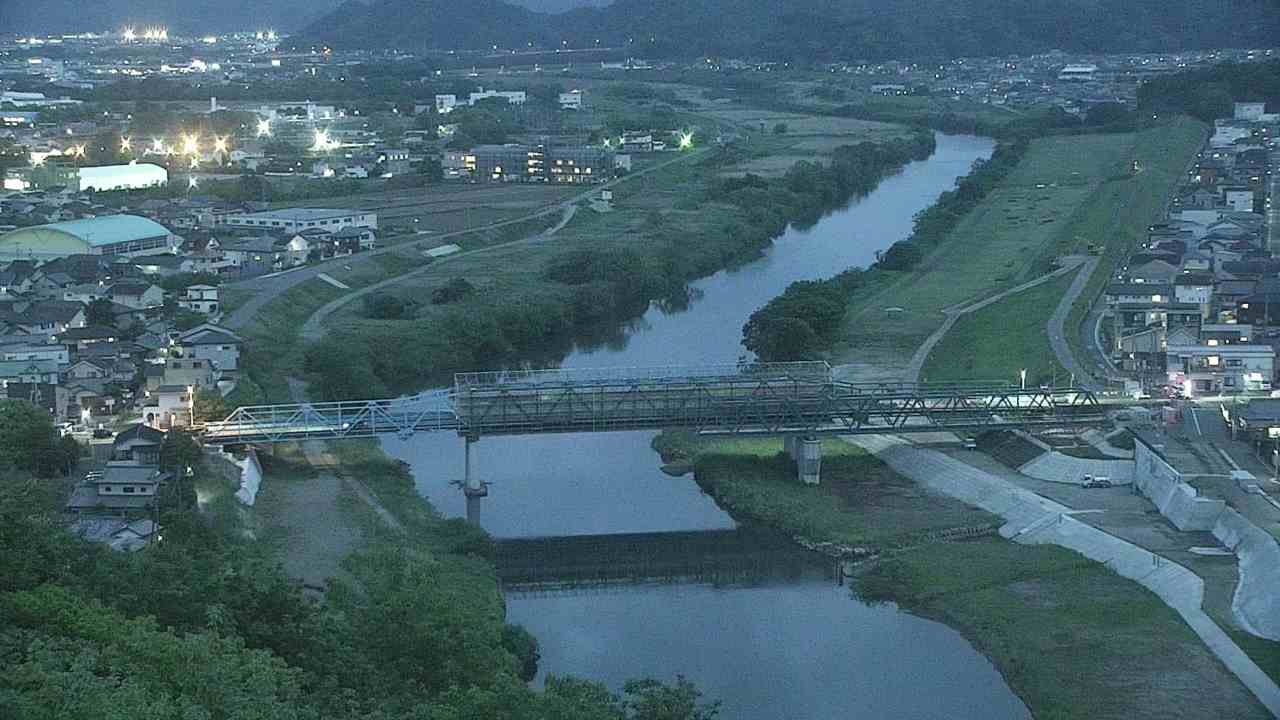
point(1220, 369)
point(571, 100)
point(446, 103)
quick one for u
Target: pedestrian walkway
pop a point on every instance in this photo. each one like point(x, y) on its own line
point(1033, 519)
point(954, 313)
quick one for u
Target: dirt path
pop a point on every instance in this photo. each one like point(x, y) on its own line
point(268, 288)
point(313, 328)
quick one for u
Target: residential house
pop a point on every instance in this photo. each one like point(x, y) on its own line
point(138, 443)
point(164, 265)
point(123, 487)
point(352, 239)
point(194, 372)
point(1154, 271)
point(1221, 369)
point(86, 370)
point(202, 299)
point(170, 407)
point(48, 318)
point(29, 371)
point(213, 343)
point(251, 257)
point(82, 338)
point(53, 353)
point(139, 295)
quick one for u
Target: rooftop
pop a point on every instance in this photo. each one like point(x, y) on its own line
point(305, 214)
point(108, 229)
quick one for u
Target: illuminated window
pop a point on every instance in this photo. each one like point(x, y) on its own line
point(1213, 360)
point(1213, 343)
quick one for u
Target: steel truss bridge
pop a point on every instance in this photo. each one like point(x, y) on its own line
point(762, 398)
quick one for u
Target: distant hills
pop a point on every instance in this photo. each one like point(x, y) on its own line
point(808, 29)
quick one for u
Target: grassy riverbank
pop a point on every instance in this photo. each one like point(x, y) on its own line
point(1099, 204)
point(1070, 637)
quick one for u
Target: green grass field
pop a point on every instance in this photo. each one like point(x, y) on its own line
point(1068, 193)
point(1000, 340)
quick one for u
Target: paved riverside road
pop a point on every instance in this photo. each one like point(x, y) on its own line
point(268, 287)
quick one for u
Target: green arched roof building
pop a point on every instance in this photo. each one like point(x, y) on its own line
point(107, 235)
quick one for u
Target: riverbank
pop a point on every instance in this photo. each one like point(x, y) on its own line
point(535, 301)
point(1072, 638)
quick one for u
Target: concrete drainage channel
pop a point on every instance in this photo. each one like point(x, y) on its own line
point(1032, 519)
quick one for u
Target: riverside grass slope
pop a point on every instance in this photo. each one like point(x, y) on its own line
point(1067, 193)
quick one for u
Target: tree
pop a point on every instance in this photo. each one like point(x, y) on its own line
point(26, 437)
point(100, 312)
point(210, 405)
point(780, 339)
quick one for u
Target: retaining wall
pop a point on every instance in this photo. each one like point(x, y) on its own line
point(1175, 499)
point(1255, 605)
point(247, 472)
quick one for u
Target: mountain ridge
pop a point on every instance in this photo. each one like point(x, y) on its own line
point(810, 29)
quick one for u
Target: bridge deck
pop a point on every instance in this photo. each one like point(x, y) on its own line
point(788, 398)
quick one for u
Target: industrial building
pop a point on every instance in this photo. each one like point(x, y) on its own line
point(104, 178)
point(126, 235)
point(298, 219)
point(134, 176)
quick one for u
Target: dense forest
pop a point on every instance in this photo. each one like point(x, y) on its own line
point(806, 30)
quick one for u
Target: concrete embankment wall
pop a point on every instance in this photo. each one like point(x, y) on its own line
point(1056, 467)
point(246, 472)
point(1256, 604)
point(1175, 499)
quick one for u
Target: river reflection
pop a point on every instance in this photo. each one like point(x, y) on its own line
point(803, 649)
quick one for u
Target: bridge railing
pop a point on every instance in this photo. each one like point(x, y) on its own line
point(809, 371)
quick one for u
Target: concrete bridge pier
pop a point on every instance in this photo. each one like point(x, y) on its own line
point(807, 454)
point(472, 486)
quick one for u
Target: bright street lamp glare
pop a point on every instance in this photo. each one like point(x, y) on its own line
point(264, 128)
point(195, 162)
point(128, 34)
point(192, 183)
point(220, 144)
point(190, 144)
point(686, 140)
point(125, 144)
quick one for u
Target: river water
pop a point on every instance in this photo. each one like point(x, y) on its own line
point(798, 646)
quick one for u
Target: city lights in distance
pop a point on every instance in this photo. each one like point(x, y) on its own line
point(157, 146)
point(686, 140)
point(155, 33)
point(264, 128)
point(126, 145)
point(195, 162)
point(190, 144)
point(323, 143)
point(192, 183)
point(128, 34)
point(220, 145)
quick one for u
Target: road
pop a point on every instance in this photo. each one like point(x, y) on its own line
point(267, 288)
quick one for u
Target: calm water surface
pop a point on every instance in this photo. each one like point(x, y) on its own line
point(801, 649)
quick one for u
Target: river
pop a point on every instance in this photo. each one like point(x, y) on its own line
point(794, 646)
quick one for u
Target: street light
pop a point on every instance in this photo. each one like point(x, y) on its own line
point(1022, 374)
